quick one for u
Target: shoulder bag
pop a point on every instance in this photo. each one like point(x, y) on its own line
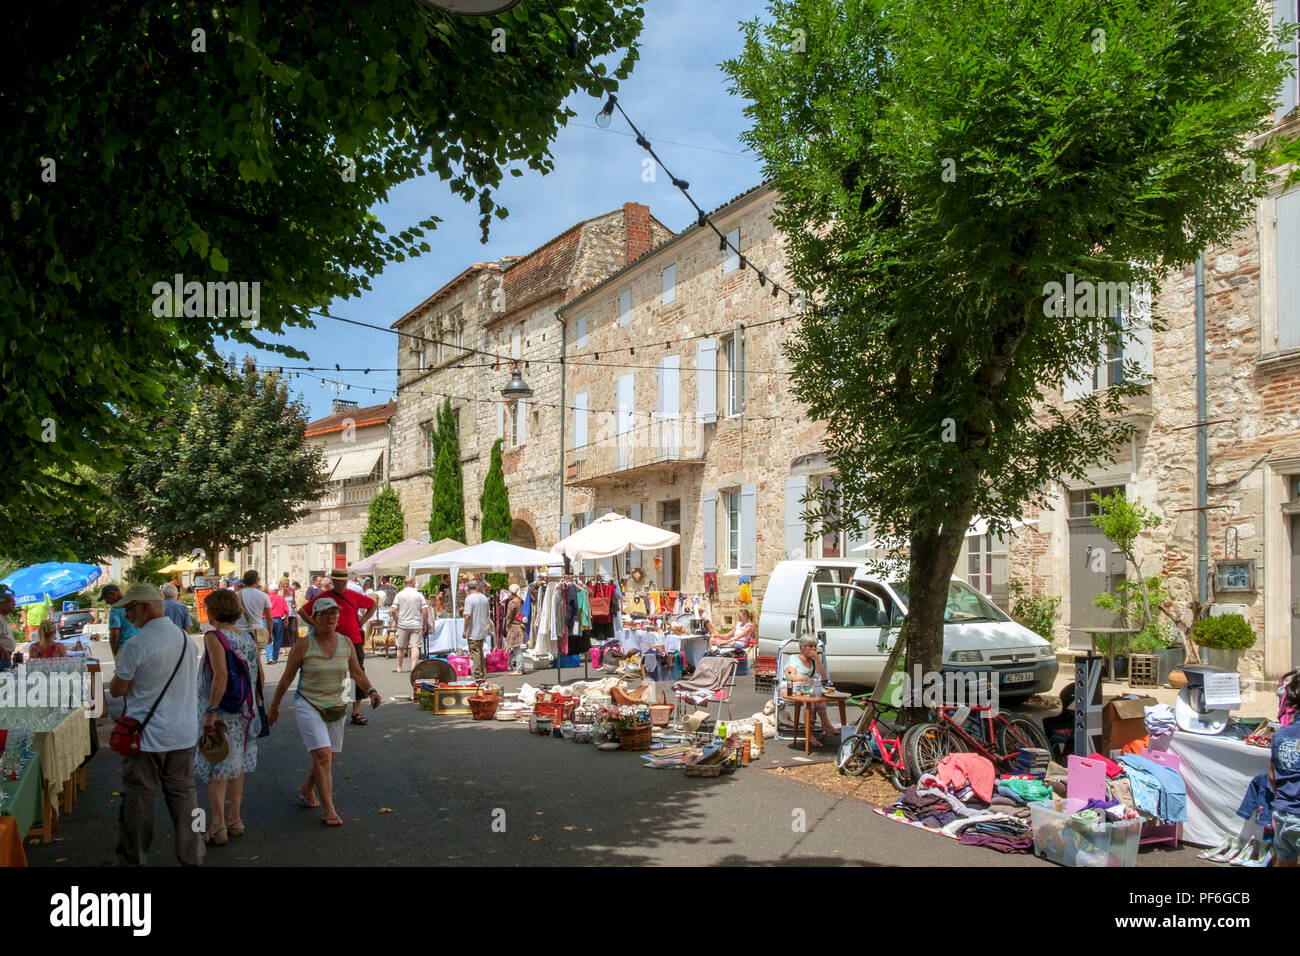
point(128, 731)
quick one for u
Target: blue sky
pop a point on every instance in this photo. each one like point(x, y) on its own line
point(677, 92)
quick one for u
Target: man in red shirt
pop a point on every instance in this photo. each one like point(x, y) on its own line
point(354, 610)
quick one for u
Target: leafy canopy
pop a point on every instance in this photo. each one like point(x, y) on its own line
point(938, 163)
point(246, 142)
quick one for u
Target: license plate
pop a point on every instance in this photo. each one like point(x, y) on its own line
point(1025, 677)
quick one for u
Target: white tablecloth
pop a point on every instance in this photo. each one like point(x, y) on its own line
point(1217, 771)
point(448, 634)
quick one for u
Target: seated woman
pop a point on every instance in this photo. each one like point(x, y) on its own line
point(741, 637)
point(46, 645)
point(802, 667)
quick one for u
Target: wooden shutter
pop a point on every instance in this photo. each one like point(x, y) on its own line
point(580, 333)
point(1288, 270)
point(795, 527)
point(670, 284)
point(521, 422)
point(1137, 337)
point(706, 380)
point(580, 420)
point(732, 260)
point(748, 529)
point(1284, 11)
point(709, 530)
point(625, 307)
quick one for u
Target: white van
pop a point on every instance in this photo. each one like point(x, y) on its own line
point(857, 616)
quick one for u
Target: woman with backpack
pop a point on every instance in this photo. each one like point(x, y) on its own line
point(228, 680)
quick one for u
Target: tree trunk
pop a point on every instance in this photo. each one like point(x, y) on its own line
point(933, 560)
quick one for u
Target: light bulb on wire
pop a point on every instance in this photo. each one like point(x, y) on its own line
point(606, 115)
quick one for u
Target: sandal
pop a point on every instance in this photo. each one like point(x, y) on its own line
point(358, 719)
point(334, 821)
point(306, 801)
point(216, 838)
point(235, 829)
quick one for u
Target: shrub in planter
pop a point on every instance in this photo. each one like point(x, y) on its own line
point(1231, 632)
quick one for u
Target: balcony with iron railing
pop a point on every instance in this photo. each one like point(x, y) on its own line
point(660, 444)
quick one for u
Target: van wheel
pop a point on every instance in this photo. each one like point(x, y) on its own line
point(1027, 728)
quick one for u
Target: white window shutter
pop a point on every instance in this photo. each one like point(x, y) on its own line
point(706, 380)
point(732, 261)
point(670, 284)
point(748, 529)
point(709, 530)
point(1288, 270)
point(1284, 11)
point(1137, 334)
point(634, 512)
point(1078, 383)
point(740, 371)
point(566, 526)
point(580, 333)
point(580, 420)
point(856, 541)
point(517, 343)
point(795, 529)
point(625, 307)
point(521, 422)
point(501, 419)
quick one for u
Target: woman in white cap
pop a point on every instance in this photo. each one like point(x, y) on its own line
point(323, 663)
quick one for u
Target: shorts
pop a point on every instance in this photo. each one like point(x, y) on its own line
point(313, 729)
point(406, 636)
point(1286, 836)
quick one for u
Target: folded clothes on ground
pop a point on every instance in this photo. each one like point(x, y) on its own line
point(1030, 791)
point(1000, 842)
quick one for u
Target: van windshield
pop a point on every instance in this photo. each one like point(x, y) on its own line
point(965, 605)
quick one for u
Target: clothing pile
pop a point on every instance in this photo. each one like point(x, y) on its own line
point(959, 800)
point(1158, 791)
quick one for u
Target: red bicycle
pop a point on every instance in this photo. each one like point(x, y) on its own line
point(984, 731)
point(858, 751)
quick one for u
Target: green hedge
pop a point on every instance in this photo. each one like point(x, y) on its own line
point(1231, 632)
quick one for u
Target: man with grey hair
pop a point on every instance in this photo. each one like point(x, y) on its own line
point(157, 673)
point(176, 612)
point(411, 614)
point(476, 626)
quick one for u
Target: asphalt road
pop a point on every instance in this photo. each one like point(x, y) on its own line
point(465, 792)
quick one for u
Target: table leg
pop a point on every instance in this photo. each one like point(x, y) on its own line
point(843, 715)
point(51, 820)
point(797, 711)
point(807, 729)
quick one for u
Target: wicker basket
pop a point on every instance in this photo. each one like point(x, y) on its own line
point(484, 708)
point(641, 695)
point(636, 737)
point(704, 770)
point(662, 712)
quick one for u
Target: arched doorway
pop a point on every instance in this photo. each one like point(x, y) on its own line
point(522, 534)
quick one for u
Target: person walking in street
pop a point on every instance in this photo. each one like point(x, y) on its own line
point(516, 638)
point(322, 664)
point(256, 618)
point(225, 779)
point(120, 628)
point(279, 618)
point(354, 610)
point(176, 612)
point(157, 674)
point(476, 626)
point(412, 616)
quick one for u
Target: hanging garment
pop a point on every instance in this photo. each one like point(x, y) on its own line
point(711, 583)
point(584, 610)
point(655, 606)
point(515, 634)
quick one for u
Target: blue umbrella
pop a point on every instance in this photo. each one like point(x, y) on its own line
point(52, 579)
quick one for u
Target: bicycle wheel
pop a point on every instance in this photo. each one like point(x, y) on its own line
point(897, 779)
point(1026, 733)
point(924, 745)
point(855, 755)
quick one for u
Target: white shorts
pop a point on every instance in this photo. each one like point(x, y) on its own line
point(315, 732)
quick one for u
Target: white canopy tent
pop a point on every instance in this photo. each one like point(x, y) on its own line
point(398, 558)
point(613, 534)
point(489, 556)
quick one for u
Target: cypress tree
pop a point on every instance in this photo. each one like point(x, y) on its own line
point(494, 505)
point(385, 524)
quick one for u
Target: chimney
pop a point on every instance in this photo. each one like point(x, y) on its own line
point(343, 405)
point(636, 221)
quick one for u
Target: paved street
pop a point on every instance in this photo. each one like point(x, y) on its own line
point(443, 778)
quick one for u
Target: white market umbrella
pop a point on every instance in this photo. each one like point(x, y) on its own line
point(488, 556)
point(613, 534)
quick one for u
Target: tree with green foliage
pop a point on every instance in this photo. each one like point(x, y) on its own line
point(385, 523)
point(494, 505)
point(241, 467)
point(79, 520)
point(147, 570)
point(242, 142)
point(448, 509)
point(940, 165)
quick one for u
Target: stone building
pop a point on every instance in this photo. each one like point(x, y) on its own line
point(461, 343)
point(356, 443)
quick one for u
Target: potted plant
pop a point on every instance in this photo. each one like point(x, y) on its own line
point(1224, 638)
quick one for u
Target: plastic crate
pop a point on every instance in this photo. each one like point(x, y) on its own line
point(1064, 839)
point(559, 709)
point(1143, 670)
point(765, 666)
point(764, 684)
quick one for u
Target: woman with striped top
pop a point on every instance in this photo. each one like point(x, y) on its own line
point(322, 664)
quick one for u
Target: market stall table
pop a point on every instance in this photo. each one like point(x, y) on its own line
point(448, 634)
point(808, 704)
point(1217, 771)
point(61, 750)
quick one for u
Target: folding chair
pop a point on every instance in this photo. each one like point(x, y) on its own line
point(788, 651)
point(714, 681)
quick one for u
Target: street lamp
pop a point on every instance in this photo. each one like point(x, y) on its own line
point(473, 8)
point(517, 387)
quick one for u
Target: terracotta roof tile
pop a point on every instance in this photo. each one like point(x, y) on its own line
point(361, 417)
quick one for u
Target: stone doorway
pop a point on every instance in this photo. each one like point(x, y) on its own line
point(522, 534)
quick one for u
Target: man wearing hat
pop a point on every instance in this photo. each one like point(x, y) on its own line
point(354, 610)
point(120, 629)
point(7, 644)
point(157, 671)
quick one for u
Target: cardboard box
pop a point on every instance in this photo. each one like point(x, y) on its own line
point(1123, 721)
